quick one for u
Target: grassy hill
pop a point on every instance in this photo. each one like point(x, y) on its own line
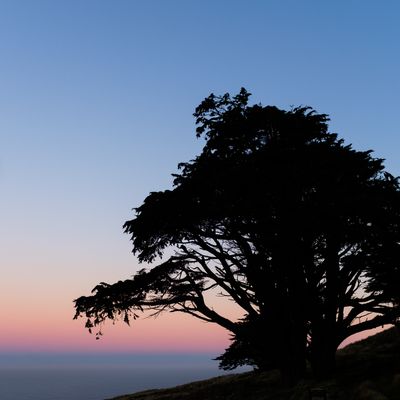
point(367, 370)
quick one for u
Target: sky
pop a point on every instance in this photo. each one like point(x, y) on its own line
point(96, 104)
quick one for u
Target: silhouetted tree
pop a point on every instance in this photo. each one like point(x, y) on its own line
point(300, 230)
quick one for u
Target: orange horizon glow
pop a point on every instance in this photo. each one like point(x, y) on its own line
point(45, 326)
point(171, 332)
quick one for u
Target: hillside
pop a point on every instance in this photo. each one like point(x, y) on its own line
point(367, 370)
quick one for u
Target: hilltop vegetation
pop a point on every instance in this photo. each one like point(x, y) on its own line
point(367, 370)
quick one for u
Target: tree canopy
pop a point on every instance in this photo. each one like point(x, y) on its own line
point(277, 213)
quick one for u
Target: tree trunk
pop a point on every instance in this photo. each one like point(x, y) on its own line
point(324, 326)
point(292, 353)
point(323, 354)
point(292, 368)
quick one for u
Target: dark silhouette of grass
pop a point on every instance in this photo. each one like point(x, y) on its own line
point(366, 370)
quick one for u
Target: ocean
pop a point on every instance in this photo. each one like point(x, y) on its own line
point(99, 377)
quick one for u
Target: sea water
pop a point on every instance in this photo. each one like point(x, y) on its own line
point(98, 379)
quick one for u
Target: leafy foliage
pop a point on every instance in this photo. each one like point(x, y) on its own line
point(299, 229)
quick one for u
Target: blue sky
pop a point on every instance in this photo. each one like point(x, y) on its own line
point(96, 103)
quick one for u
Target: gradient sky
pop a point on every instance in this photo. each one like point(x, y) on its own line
point(96, 103)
